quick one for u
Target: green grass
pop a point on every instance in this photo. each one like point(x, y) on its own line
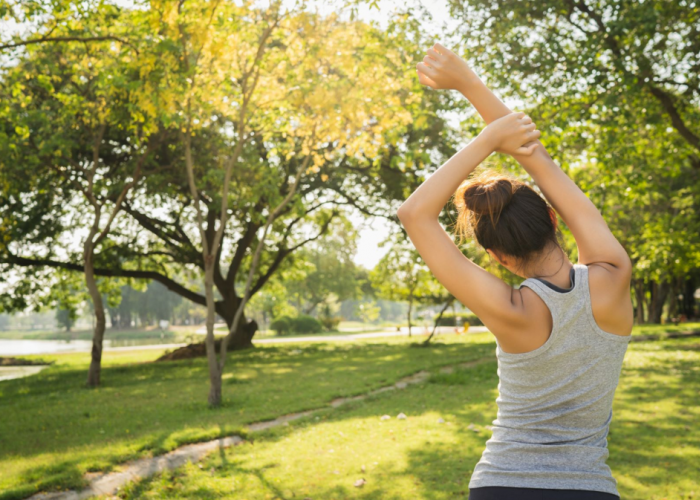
point(667, 328)
point(53, 429)
point(654, 441)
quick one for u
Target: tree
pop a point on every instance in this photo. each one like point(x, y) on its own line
point(616, 85)
point(325, 268)
point(582, 53)
point(307, 117)
point(402, 275)
point(70, 115)
point(366, 178)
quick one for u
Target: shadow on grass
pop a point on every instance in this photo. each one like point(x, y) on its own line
point(438, 470)
point(44, 478)
point(150, 408)
point(654, 439)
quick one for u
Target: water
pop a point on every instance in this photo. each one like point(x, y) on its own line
point(10, 372)
point(24, 347)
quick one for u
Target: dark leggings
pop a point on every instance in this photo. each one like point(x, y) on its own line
point(503, 493)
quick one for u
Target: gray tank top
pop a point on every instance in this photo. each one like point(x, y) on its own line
point(555, 403)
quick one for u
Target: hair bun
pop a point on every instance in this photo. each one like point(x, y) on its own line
point(488, 196)
point(505, 215)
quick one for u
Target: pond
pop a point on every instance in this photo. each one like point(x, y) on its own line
point(12, 347)
point(10, 372)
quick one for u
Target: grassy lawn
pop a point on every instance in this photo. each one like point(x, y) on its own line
point(53, 429)
point(661, 329)
point(654, 441)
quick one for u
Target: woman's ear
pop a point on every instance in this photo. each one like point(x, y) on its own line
point(496, 257)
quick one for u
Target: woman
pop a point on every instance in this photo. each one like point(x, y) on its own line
point(562, 335)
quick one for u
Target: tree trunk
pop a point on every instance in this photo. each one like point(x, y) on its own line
point(688, 302)
point(410, 308)
point(639, 296)
point(651, 285)
point(648, 299)
point(673, 303)
point(214, 371)
point(94, 372)
point(449, 302)
point(659, 292)
point(243, 337)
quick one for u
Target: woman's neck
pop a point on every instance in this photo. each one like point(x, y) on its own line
point(554, 267)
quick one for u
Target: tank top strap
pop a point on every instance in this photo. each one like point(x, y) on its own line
point(561, 302)
point(546, 289)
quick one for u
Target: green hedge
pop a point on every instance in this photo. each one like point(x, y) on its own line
point(450, 319)
point(285, 325)
point(330, 323)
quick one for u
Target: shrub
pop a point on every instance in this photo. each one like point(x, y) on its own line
point(285, 325)
point(450, 319)
point(305, 324)
point(330, 323)
point(282, 325)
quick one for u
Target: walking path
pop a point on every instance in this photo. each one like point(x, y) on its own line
point(20, 347)
point(109, 483)
point(417, 332)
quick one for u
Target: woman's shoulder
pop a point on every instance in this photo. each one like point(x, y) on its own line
point(533, 329)
point(611, 301)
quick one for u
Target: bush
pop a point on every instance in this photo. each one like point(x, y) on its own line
point(282, 325)
point(330, 323)
point(450, 319)
point(306, 324)
point(285, 325)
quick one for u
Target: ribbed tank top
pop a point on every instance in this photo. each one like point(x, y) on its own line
point(555, 403)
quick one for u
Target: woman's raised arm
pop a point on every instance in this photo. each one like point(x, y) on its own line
point(483, 293)
point(443, 69)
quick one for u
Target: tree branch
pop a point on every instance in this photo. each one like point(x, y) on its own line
point(56, 39)
point(644, 81)
point(155, 226)
point(283, 252)
point(169, 283)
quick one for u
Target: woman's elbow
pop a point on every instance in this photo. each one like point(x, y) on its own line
point(412, 214)
point(405, 212)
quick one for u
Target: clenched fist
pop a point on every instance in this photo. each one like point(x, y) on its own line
point(443, 69)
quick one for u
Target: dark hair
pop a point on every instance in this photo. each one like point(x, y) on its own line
point(505, 215)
